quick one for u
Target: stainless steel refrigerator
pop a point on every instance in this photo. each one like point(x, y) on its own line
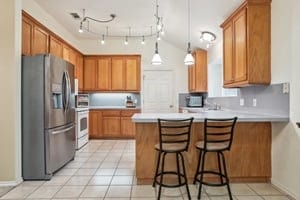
point(48, 115)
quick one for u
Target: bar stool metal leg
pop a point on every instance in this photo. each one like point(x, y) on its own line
point(157, 167)
point(219, 166)
point(198, 167)
point(185, 177)
point(178, 168)
point(226, 177)
point(161, 175)
point(201, 174)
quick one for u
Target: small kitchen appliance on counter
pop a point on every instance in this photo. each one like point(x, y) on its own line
point(129, 103)
point(194, 101)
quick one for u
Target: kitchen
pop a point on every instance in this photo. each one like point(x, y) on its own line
point(284, 61)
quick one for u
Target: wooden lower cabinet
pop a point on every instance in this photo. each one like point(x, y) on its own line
point(127, 127)
point(111, 123)
point(95, 124)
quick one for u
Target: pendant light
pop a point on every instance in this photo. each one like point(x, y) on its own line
point(189, 59)
point(156, 60)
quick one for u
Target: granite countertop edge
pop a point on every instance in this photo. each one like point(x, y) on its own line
point(199, 117)
point(113, 107)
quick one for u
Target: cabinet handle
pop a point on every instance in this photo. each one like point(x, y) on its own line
point(298, 124)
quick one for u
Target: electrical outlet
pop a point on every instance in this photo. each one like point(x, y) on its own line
point(285, 88)
point(242, 102)
point(254, 102)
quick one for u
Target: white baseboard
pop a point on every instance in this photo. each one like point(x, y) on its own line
point(282, 188)
point(11, 183)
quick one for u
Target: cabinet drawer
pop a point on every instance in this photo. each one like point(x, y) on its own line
point(129, 113)
point(111, 113)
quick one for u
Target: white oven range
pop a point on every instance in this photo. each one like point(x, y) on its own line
point(82, 127)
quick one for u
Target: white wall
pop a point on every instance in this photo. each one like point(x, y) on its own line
point(10, 90)
point(172, 57)
point(285, 67)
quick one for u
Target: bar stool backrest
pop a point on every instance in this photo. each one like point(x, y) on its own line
point(218, 133)
point(175, 132)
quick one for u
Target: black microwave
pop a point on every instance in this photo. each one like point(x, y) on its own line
point(194, 101)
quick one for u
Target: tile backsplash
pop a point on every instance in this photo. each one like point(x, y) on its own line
point(112, 99)
point(270, 99)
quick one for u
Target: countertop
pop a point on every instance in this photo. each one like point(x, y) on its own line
point(112, 107)
point(202, 113)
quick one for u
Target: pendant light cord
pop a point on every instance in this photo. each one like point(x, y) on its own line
point(189, 24)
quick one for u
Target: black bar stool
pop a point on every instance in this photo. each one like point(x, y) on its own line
point(174, 138)
point(218, 135)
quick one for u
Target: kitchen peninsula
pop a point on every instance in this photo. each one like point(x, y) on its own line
point(249, 159)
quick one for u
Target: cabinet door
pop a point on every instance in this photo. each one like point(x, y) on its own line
point(200, 70)
point(72, 57)
point(27, 29)
point(111, 126)
point(104, 74)
point(55, 47)
point(90, 74)
point(132, 74)
point(79, 71)
point(66, 53)
point(240, 47)
point(117, 73)
point(40, 41)
point(127, 127)
point(191, 72)
point(228, 54)
point(95, 124)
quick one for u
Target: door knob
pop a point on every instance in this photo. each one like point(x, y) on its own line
point(171, 106)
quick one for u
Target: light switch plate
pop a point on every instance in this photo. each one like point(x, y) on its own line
point(242, 102)
point(285, 88)
point(254, 102)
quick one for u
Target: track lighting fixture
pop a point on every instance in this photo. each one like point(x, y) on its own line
point(156, 60)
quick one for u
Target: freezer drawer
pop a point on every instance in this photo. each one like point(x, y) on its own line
point(60, 147)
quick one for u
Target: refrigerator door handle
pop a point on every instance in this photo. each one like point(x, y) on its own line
point(68, 90)
point(62, 131)
point(64, 82)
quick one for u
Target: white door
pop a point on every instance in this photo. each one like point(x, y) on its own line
point(158, 91)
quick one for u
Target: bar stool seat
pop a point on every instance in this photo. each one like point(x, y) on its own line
point(180, 147)
point(174, 138)
point(218, 136)
point(212, 147)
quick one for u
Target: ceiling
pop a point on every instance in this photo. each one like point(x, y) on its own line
point(206, 15)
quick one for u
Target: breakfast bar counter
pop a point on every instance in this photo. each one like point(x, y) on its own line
point(249, 159)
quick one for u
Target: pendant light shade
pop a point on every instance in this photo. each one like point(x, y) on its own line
point(189, 59)
point(156, 60)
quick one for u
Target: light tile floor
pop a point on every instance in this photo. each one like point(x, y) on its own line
point(104, 169)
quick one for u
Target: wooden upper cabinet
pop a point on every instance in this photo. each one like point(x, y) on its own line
point(27, 34)
point(198, 72)
point(117, 73)
point(132, 73)
point(104, 73)
point(228, 53)
point(40, 41)
point(55, 47)
point(240, 46)
point(246, 36)
point(90, 73)
point(66, 52)
point(72, 56)
point(113, 73)
point(79, 71)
